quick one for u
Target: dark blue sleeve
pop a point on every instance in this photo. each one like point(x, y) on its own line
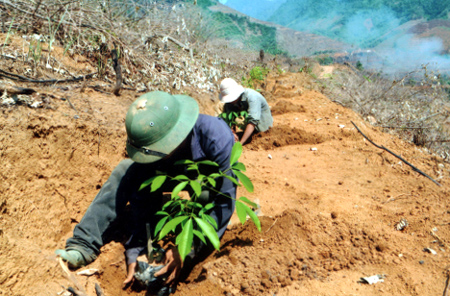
point(216, 141)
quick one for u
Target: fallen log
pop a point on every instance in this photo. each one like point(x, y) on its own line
point(15, 90)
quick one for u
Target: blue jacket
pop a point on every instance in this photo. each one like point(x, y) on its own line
point(210, 139)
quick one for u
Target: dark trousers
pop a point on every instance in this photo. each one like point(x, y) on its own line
point(122, 187)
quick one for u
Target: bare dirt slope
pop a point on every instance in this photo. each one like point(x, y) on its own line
point(329, 200)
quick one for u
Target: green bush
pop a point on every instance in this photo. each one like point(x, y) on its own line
point(359, 66)
point(325, 60)
point(256, 75)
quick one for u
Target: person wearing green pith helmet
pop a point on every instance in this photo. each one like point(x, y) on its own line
point(237, 98)
point(161, 129)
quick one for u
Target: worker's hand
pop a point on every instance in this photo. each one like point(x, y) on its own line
point(173, 264)
point(131, 269)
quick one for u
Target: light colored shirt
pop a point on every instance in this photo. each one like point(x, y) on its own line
point(257, 108)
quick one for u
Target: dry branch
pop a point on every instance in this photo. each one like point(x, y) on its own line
point(17, 77)
point(98, 290)
point(399, 157)
point(401, 196)
point(33, 14)
point(71, 105)
point(272, 224)
point(14, 90)
point(80, 290)
point(441, 241)
point(179, 43)
point(447, 285)
point(116, 65)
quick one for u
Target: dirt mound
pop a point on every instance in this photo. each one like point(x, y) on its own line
point(284, 106)
point(283, 135)
point(292, 247)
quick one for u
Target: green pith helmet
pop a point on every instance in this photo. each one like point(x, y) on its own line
point(157, 123)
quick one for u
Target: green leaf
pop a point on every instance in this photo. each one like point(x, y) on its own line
point(185, 239)
point(192, 168)
point(170, 203)
point(178, 188)
point(210, 220)
point(160, 224)
point(236, 152)
point(200, 236)
point(183, 161)
point(196, 187)
point(208, 162)
point(215, 175)
point(254, 218)
point(212, 181)
point(249, 202)
point(209, 206)
point(162, 213)
point(192, 204)
point(245, 181)
point(157, 182)
point(232, 179)
point(206, 208)
point(241, 212)
point(209, 231)
point(180, 178)
point(147, 182)
point(239, 166)
point(171, 225)
point(177, 239)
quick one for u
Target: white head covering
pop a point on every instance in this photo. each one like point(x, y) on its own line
point(230, 90)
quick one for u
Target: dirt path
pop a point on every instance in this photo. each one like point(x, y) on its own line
point(329, 201)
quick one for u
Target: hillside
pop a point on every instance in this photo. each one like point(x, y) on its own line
point(329, 199)
point(362, 24)
point(392, 38)
point(294, 42)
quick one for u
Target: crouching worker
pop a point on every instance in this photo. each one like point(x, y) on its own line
point(237, 98)
point(161, 129)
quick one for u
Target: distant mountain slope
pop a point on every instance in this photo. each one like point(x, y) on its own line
point(293, 42)
point(362, 23)
point(259, 9)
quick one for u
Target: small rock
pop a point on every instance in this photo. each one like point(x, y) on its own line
point(421, 262)
point(429, 250)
